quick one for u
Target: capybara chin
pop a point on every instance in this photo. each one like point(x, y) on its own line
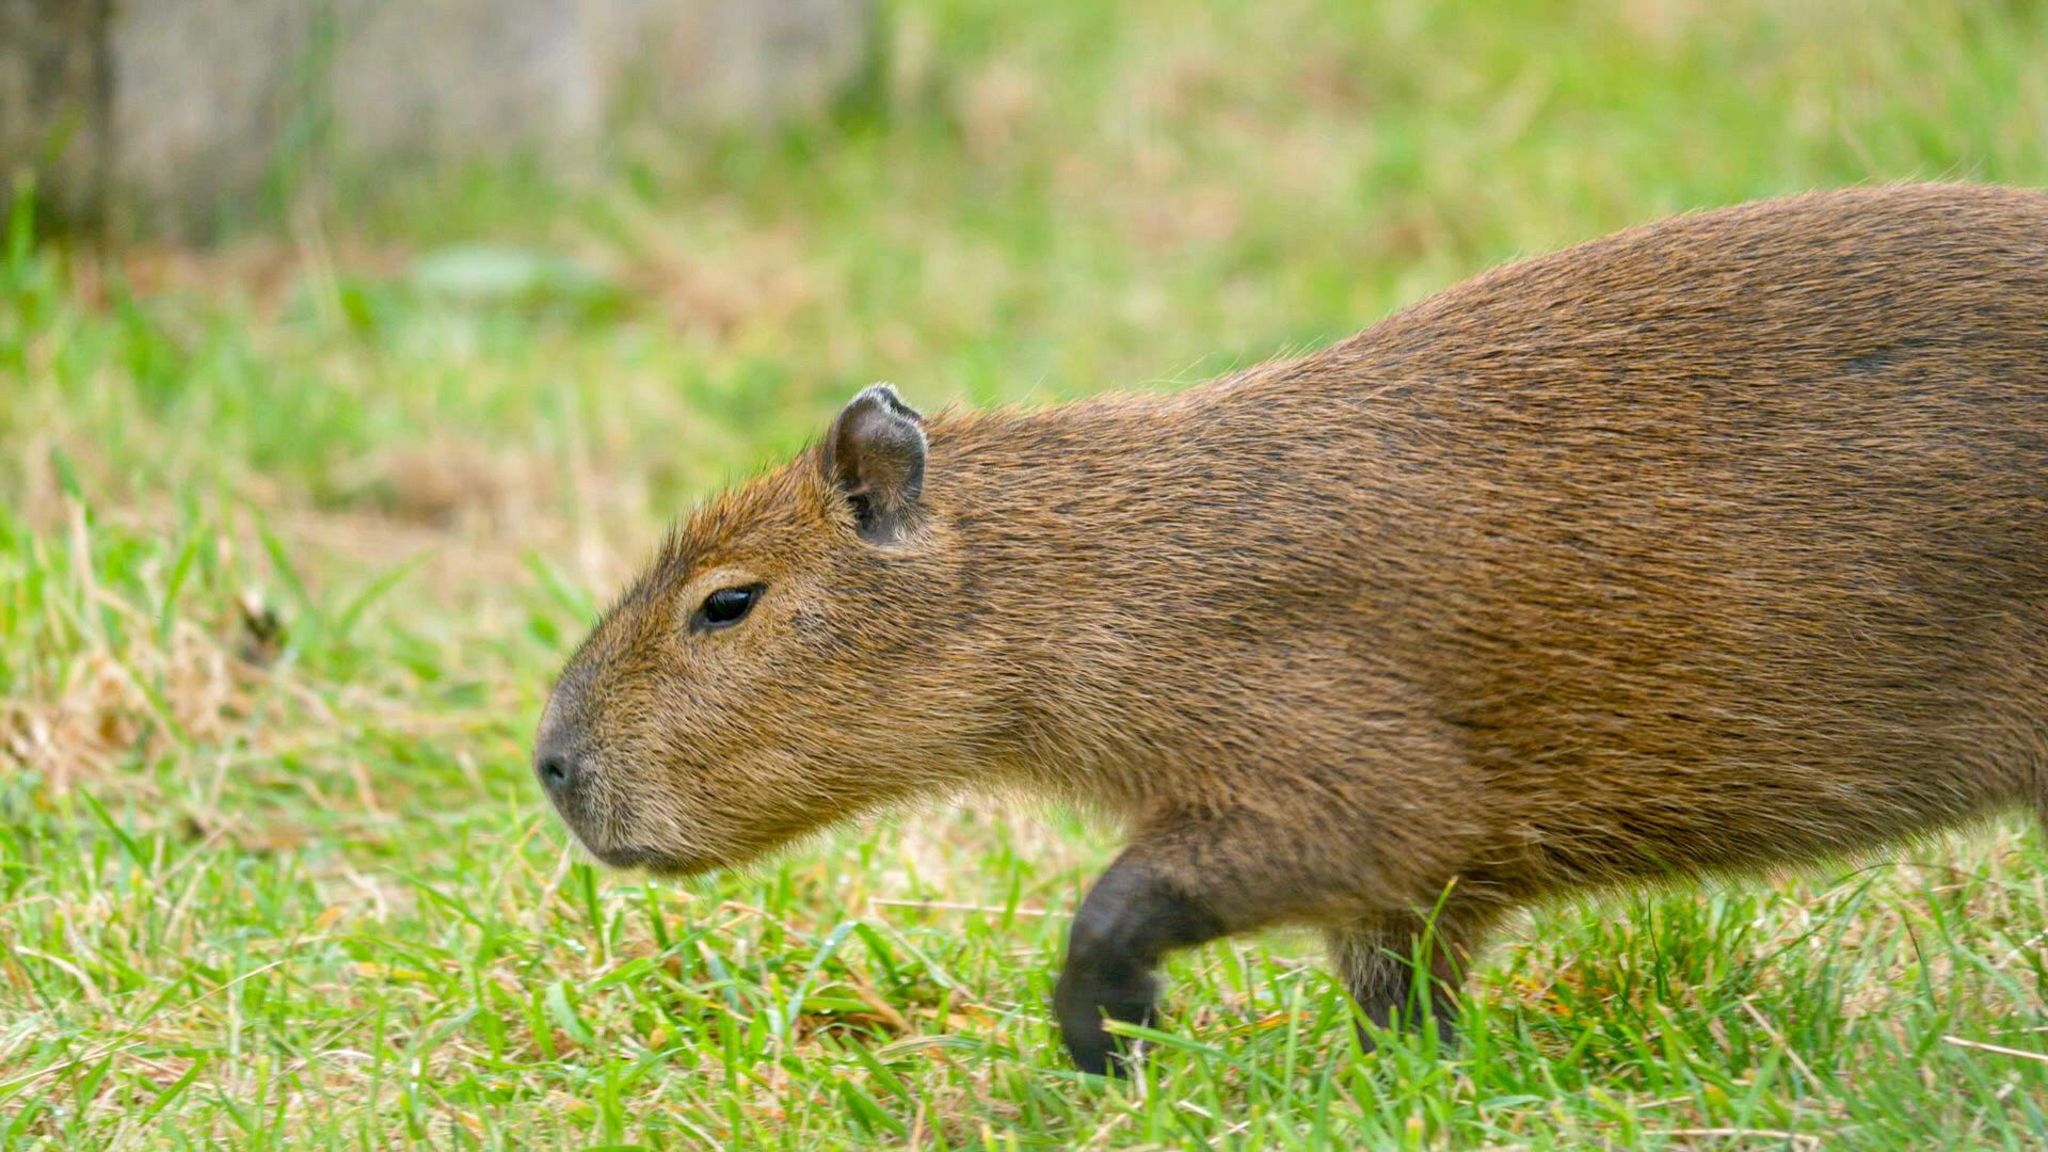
point(1717, 544)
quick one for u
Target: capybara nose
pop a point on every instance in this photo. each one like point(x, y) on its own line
point(557, 772)
point(559, 749)
point(560, 770)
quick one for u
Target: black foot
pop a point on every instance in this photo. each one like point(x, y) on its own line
point(1127, 922)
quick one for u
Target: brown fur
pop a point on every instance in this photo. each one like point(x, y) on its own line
point(1719, 543)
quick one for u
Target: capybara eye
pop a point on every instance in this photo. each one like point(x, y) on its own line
point(725, 607)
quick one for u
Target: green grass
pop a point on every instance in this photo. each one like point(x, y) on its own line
point(294, 534)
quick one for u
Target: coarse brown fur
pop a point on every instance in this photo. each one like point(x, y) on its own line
point(1716, 544)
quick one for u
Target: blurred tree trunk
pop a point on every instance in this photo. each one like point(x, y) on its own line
point(171, 116)
point(54, 84)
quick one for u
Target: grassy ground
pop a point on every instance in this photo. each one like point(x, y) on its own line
point(294, 534)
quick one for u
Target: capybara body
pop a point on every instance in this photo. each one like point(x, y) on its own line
point(1716, 544)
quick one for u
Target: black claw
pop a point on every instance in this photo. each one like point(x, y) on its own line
point(1086, 998)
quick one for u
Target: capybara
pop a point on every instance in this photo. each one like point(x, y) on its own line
point(1718, 544)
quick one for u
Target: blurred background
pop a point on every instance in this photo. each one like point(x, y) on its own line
point(352, 353)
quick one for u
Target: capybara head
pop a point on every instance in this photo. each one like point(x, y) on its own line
point(772, 670)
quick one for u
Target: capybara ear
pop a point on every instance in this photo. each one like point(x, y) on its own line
point(874, 456)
